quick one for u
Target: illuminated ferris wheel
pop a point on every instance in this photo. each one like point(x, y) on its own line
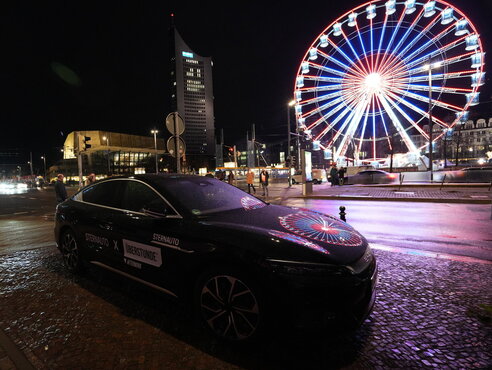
point(380, 71)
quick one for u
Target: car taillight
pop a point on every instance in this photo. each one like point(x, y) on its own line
point(392, 176)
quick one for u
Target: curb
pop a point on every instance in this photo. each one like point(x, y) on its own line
point(369, 198)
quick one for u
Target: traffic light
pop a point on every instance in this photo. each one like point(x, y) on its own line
point(85, 142)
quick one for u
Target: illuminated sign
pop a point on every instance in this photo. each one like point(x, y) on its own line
point(187, 54)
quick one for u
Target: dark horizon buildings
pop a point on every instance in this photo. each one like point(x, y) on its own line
point(191, 95)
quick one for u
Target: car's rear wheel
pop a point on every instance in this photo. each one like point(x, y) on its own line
point(70, 251)
point(229, 304)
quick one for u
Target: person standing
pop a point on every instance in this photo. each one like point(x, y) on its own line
point(230, 178)
point(264, 181)
point(250, 179)
point(90, 179)
point(334, 175)
point(341, 175)
point(60, 191)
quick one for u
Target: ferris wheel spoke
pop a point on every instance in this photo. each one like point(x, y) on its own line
point(323, 88)
point(333, 123)
point(392, 38)
point(336, 80)
point(325, 117)
point(440, 76)
point(436, 102)
point(444, 63)
point(432, 41)
point(399, 127)
point(352, 126)
point(432, 54)
point(372, 46)
point(333, 71)
point(394, 102)
point(357, 60)
point(366, 116)
point(342, 127)
point(415, 39)
point(338, 118)
point(403, 38)
point(366, 59)
point(384, 124)
point(320, 109)
point(440, 89)
point(347, 58)
point(381, 38)
point(339, 63)
point(322, 98)
point(420, 112)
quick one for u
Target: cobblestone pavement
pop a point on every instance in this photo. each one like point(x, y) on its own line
point(427, 314)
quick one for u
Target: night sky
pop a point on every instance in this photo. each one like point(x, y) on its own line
point(81, 65)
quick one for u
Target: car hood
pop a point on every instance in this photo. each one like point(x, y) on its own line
point(297, 234)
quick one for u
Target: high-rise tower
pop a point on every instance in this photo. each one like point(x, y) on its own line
point(191, 94)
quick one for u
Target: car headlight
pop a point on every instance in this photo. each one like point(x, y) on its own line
point(309, 269)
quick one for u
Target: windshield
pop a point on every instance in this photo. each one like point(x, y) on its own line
point(201, 195)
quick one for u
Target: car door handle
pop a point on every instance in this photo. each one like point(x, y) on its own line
point(106, 225)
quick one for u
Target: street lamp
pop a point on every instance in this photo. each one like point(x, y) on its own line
point(44, 161)
point(288, 157)
point(155, 132)
point(429, 67)
point(106, 139)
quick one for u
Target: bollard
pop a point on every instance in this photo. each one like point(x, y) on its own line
point(342, 214)
point(442, 182)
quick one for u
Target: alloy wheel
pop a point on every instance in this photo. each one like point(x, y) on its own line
point(70, 251)
point(229, 308)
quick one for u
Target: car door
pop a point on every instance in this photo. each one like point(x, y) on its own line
point(152, 235)
point(101, 206)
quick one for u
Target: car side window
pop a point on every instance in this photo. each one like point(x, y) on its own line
point(138, 196)
point(106, 194)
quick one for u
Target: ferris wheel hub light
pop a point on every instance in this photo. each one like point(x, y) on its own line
point(373, 82)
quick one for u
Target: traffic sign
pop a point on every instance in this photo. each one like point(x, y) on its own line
point(174, 123)
point(171, 146)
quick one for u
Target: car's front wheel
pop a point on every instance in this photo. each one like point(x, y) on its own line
point(70, 251)
point(229, 304)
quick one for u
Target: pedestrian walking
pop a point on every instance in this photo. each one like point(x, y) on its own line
point(334, 175)
point(60, 191)
point(230, 178)
point(90, 179)
point(264, 176)
point(250, 179)
point(341, 175)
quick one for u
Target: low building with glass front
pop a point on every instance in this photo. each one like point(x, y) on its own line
point(110, 153)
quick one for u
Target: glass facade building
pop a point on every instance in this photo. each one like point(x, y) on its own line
point(191, 95)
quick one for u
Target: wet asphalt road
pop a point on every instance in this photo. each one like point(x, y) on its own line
point(429, 313)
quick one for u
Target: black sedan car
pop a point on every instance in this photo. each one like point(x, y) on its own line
point(240, 262)
point(373, 177)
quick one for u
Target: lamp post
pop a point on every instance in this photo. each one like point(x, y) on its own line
point(288, 157)
point(106, 139)
point(155, 132)
point(429, 67)
point(44, 161)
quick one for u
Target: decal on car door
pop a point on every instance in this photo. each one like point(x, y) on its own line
point(142, 252)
